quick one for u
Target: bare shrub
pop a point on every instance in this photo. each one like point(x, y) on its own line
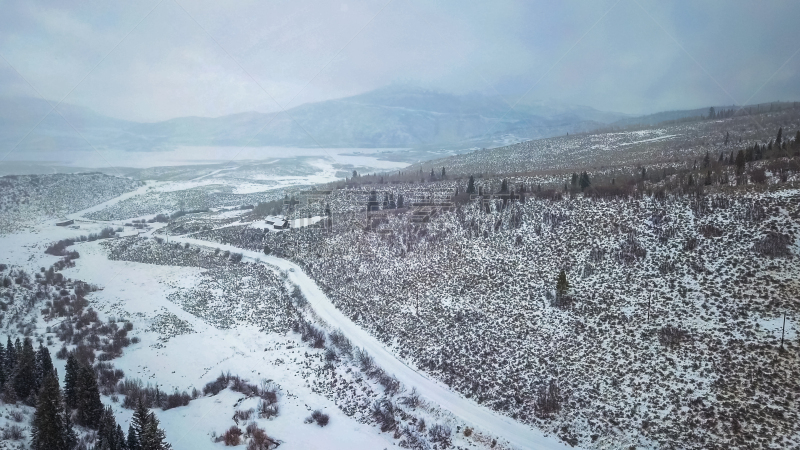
point(773, 244)
point(383, 411)
point(231, 437)
point(411, 400)
point(259, 439)
point(440, 434)
point(548, 399)
point(13, 433)
point(671, 336)
point(320, 418)
point(267, 410)
point(243, 415)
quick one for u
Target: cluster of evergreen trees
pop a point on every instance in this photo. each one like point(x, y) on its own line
point(28, 375)
point(23, 370)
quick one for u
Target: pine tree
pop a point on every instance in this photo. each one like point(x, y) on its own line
point(584, 181)
point(71, 381)
point(122, 444)
point(711, 113)
point(107, 431)
point(132, 441)
point(708, 178)
point(400, 200)
point(139, 419)
point(471, 185)
point(562, 285)
point(443, 173)
point(504, 186)
point(778, 139)
point(49, 428)
point(25, 371)
point(706, 160)
point(10, 360)
point(2, 366)
point(726, 138)
point(90, 408)
point(44, 365)
point(740, 162)
point(153, 437)
point(690, 182)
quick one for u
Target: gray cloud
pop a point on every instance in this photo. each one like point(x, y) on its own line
point(184, 58)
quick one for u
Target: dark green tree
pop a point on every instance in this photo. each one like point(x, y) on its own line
point(562, 285)
point(2, 366)
point(584, 181)
point(779, 138)
point(400, 200)
point(726, 138)
point(443, 173)
point(107, 438)
point(471, 185)
point(504, 186)
point(89, 408)
point(711, 113)
point(44, 365)
point(71, 382)
point(132, 441)
point(740, 161)
point(25, 371)
point(153, 437)
point(49, 428)
point(706, 160)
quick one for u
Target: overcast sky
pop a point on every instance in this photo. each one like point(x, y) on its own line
point(149, 60)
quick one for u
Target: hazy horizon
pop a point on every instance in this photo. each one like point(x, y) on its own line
point(164, 59)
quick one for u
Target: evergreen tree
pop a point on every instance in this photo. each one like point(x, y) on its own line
point(726, 138)
point(690, 182)
point(11, 358)
point(504, 186)
point(740, 162)
point(721, 157)
point(574, 180)
point(139, 419)
point(562, 285)
point(443, 173)
point(122, 444)
point(778, 139)
point(584, 181)
point(25, 371)
point(153, 437)
point(107, 431)
point(708, 178)
point(49, 428)
point(2, 365)
point(44, 365)
point(71, 382)
point(644, 173)
point(132, 441)
point(471, 185)
point(89, 407)
point(400, 200)
point(711, 113)
point(355, 174)
point(706, 161)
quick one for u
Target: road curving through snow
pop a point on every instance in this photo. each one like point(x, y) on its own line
point(515, 433)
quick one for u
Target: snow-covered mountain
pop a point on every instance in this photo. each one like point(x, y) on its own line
point(394, 116)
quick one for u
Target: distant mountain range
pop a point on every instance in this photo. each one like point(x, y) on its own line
point(391, 117)
point(398, 116)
